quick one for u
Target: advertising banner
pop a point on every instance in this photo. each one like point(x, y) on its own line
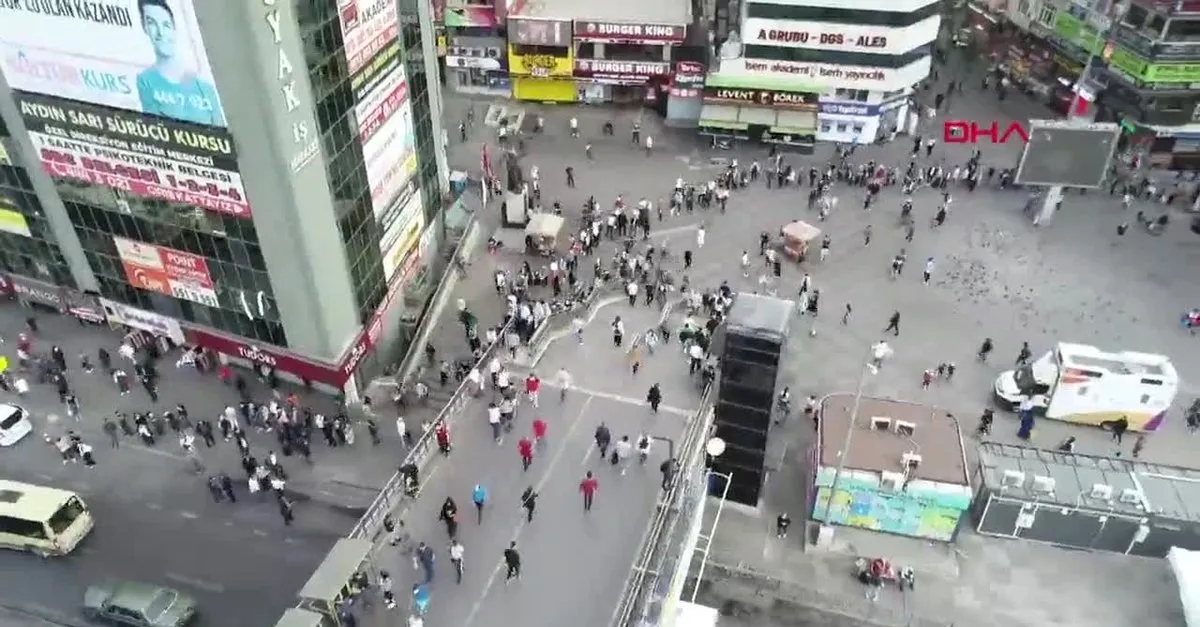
point(371, 30)
point(368, 26)
point(629, 33)
point(841, 37)
point(11, 218)
point(797, 101)
point(817, 77)
point(621, 71)
point(540, 65)
point(35, 291)
point(167, 271)
point(148, 321)
point(148, 157)
point(139, 56)
point(524, 31)
point(404, 223)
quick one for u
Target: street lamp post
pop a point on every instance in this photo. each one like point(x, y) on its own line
point(868, 368)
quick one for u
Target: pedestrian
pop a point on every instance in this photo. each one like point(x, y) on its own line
point(227, 488)
point(479, 498)
point(654, 397)
point(539, 433)
point(532, 386)
point(110, 428)
point(85, 453)
point(782, 522)
point(603, 438)
point(442, 434)
point(449, 516)
point(668, 469)
point(588, 487)
point(1119, 428)
point(1138, 445)
point(529, 502)
point(984, 349)
point(512, 561)
point(425, 558)
point(621, 453)
point(928, 272)
point(893, 324)
point(846, 314)
point(214, 488)
point(456, 559)
point(525, 448)
point(285, 510)
point(926, 379)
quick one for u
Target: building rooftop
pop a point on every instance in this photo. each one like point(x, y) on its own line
point(627, 11)
point(754, 314)
point(879, 446)
point(1137, 487)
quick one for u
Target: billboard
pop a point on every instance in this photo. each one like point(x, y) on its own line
point(1071, 154)
point(167, 271)
point(145, 56)
point(841, 37)
point(11, 218)
point(371, 31)
point(149, 157)
point(404, 223)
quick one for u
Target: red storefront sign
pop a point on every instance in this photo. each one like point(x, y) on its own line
point(633, 33)
point(621, 71)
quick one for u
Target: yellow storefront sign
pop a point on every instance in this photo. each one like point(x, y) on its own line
point(11, 220)
point(540, 65)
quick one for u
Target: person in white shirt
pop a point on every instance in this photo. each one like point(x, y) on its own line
point(745, 264)
point(700, 237)
point(623, 450)
point(494, 369)
point(493, 412)
point(456, 558)
point(476, 380)
point(925, 276)
point(563, 381)
point(402, 431)
point(631, 290)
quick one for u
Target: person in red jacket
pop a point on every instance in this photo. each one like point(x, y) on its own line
point(588, 488)
point(539, 432)
point(532, 385)
point(525, 448)
point(442, 433)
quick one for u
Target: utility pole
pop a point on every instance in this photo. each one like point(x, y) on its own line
point(826, 530)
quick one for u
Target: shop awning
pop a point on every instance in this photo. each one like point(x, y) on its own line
point(731, 126)
point(717, 115)
point(797, 120)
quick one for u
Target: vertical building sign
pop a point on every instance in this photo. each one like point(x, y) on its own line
point(304, 139)
point(371, 32)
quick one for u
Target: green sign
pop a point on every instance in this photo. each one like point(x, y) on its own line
point(1076, 32)
point(1146, 72)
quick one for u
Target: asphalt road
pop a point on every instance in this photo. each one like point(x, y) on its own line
point(155, 519)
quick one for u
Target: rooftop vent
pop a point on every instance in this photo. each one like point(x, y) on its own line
point(881, 423)
point(905, 428)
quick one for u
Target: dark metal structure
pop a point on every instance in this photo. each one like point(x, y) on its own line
point(1084, 501)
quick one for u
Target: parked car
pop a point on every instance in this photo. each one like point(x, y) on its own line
point(138, 605)
point(14, 424)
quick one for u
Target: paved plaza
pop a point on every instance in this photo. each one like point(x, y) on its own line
point(996, 275)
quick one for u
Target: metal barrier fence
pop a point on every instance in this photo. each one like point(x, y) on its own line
point(648, 590)
point(371, 523)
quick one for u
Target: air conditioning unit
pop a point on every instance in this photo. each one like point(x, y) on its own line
point(881, 423)
point(893, 481)
point(1012, 479)
point(1130, 496)
point(1101, 492)
point(493, 53)
point(1043, 485)
point(905, 428)
point(910, 461)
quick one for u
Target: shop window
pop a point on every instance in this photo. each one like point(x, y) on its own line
point(841, 128)
point(1182, 30)
point(825, 127)
point(856, 95)
point(1023, 7)
point(858, 129)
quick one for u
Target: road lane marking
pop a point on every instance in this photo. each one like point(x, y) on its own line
point(260, 533)
point(201, 584)
point(189, 515)
point(522, 523)
point(158, 452)
point(154, 506)
point(628, 400)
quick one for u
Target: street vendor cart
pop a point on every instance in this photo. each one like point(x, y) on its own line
point(541, 234)
point(796, 238)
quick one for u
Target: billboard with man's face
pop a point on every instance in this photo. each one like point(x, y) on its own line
point(139, 55)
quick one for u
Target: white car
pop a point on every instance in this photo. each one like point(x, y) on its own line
point(14, 424)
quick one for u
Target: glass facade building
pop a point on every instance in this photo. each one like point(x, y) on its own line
point(277, 203)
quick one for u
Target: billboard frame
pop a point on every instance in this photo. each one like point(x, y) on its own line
point(1036, 126)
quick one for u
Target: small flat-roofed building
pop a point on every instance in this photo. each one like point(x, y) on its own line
point(611, 51)
point(1086, 501)
point(904, 470)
